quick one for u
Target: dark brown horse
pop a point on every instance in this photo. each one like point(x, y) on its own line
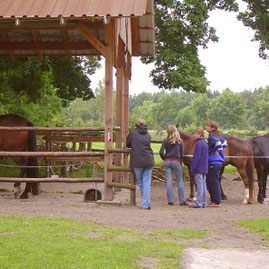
point(238, 153)
point(260, 146)
point(20, 141)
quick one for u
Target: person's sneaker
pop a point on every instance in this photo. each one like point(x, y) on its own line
point(213, 205)
point(170, 203)
point(184, 203)
point(146, 208)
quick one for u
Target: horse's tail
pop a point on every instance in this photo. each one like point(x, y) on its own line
point(249, 170)
point(32, 172)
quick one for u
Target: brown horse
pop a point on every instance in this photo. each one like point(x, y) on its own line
point(20, 141)
point(241, 157)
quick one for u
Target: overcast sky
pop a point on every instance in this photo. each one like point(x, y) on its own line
point(232, 63)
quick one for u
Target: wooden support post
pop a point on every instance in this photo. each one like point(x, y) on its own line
point(126, 112)
point(133, 191)
point(119, 109)
point(108, 191)
point(89, 146)
point(64, 163)
point(48, 163)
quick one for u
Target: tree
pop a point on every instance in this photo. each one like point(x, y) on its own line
point(80, 112)
point(261, 109)
point(181, 28)
point(138, 100)
point(256, 16)
point(45, 111)
point(200, 107)
point(146, 112)
point(228, 110)
point(31, 77)
point(185, 117)
point(166, 110)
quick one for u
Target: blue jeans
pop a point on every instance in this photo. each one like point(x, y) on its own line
point(212, 182)
point(143, 177)
point(170, 167)
point(201, 197)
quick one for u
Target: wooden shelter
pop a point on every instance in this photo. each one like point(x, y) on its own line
point(115, 29)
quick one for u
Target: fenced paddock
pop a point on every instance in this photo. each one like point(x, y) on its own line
point(82, 156)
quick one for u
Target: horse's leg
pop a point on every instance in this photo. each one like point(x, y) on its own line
point(17, 185)
point(242, 171)
point(260, 173)
point(223, 196)
point(23, 173)
point(17, 189)
point(249, 171)
point(27, 189)
point(264, 184)
point(32, 171)
point(192, 186)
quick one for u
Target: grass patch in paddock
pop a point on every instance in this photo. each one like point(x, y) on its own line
point(259, 226)
point(42, 242)
point(8, 168)
point(230, 170)
point(185, 234)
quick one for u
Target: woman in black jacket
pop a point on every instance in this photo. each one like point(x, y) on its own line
point(172, 153)
point(141, 159)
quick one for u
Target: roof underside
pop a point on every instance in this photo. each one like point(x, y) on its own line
point(49, 27)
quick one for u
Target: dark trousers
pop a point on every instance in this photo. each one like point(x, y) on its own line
point(212, 183)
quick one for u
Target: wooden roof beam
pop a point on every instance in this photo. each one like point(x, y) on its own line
point(35, 39)
point(6, 39)
point(135, 36)
point(92, 39)
point(45, 45)
point(65, 35)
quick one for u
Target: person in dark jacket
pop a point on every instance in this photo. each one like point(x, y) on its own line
point(141, 159)
point(216, 144)
point(199, 168)
point(172, 153)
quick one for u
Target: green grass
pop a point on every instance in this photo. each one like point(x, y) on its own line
point(42, 242)
point(230, 170)
point(186, 234)
point(259, 226)
point(8, 168)
point(155, 147)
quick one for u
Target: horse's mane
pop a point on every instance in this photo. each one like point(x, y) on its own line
point(227, 136)
point(253, 138)
point(184, 135)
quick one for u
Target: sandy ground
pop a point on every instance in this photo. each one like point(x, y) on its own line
point(231, 246)
point(194, 258)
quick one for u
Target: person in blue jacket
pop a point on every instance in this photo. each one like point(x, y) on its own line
point(199, 168)
point(216, 144)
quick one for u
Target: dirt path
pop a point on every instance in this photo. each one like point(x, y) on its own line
point(194, 258)
point(66, 200)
